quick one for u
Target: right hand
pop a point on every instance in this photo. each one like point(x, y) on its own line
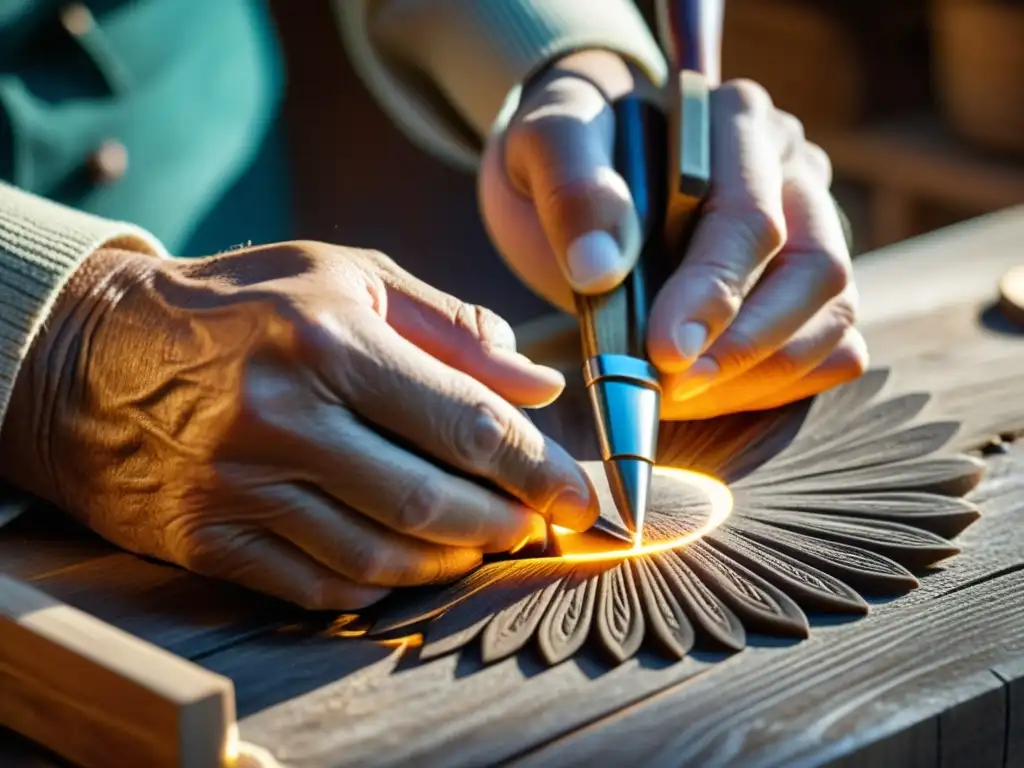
point(263, 416)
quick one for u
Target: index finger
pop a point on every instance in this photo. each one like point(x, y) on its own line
point(450, 416)
point(741, 227)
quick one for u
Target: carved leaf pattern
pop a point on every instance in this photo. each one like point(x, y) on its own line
point(619, 619)
point(759, 605)
point(836, 497)
point(808, 586)
point(666, 618)
point(514, 626)
point(565, 625)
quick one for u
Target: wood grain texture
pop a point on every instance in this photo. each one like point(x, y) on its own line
point(318, 698)
point(96, 695)
point(853, 443)
point(454, 712)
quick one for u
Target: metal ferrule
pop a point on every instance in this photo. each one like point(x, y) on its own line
point(626, 397)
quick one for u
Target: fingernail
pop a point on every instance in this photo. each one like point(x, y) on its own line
point(695, 380)
point(594, 261)
point(536, 539)
point(690, 339)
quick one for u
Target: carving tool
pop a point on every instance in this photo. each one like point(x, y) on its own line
point(623, 386)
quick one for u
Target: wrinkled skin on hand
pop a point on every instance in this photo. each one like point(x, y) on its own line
point(300, 418)
point(761, 312)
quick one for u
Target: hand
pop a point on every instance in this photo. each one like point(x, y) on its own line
point(761, 311)
point(264, 416)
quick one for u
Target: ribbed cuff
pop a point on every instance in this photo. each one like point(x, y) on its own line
point(41, 244)
point(474, 54)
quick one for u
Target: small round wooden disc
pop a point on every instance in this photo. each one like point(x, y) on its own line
point(1011, 295)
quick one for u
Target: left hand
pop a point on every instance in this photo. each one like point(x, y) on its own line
point(760, 313)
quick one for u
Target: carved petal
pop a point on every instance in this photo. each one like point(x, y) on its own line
point(758, 603)
point(563, 630)
point(452, 631)
point(865, 571)
point(858, 427)
point(953, 476)
point(946, 516)
point(842, 404)
point(618, 615)
point(666, 619)
point(811, 588)
point(708, 612)
point(514, 626)
point(498, 584)
point(884, 449)
point(908, 546)
point(730, 445)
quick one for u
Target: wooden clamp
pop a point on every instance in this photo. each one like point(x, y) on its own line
point(99, 697)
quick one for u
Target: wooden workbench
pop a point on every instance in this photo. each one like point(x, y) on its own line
point(933, 678)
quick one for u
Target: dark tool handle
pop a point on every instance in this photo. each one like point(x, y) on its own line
point(691, 31)
point(615, 323)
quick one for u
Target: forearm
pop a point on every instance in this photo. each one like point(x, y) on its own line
point(448, 71)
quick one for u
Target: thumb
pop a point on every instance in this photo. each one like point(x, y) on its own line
point(558, 152)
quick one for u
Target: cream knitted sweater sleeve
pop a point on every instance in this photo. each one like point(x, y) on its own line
point(41, 243)
point(448, 71)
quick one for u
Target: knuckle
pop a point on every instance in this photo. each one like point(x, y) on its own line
point(371, 564)
point(725, 284)
point(764, 230)
point(481, 438)
point(844, 309)
point(750, 228)
point(736, 349)
point(208, 554)
point(746, 95)
point(792, 128)
point(833, 272)
point(421, 507)
point(314, 598)
point(818, 161)
point(375, 258)
point(785, 365)
point(492, 329)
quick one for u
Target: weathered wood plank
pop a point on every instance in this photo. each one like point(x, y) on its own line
point(452, 711)
point(1012, 674)
point(372, 709)
point(974, 732)
point(164, 605)
point(94, 694)
point(829, 698)
point(266, 673)
point(463, 715)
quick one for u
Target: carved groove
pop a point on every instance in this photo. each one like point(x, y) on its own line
point(834, 498)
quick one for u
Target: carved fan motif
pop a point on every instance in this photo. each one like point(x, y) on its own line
point(834, 498)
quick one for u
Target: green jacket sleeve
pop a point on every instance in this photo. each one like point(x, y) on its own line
point(448, 71)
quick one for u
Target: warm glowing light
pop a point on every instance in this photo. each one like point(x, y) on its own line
point(407, 641)
point(719, 496)
point(231, 746)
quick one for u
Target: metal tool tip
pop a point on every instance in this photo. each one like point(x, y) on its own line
point(630, 482)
